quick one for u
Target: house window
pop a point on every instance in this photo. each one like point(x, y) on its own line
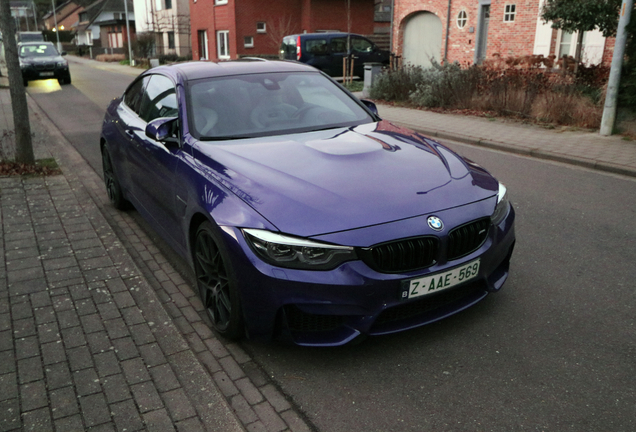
point(170, 40)
point(89, 37)
point(261, 27)
point(462, 18)
point(220, 2)
point(223, 44)
point(158, 5)
point(168, 4)
point(248, 42)
point(203, 44)
point(509, 13)
point(565, 47)
point(83, 17)
point(117, 15)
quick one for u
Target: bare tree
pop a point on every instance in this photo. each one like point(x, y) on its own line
point(280, 28)
point(23, 144)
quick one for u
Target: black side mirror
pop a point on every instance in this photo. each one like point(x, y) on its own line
point(161, 129)
point(370, 105)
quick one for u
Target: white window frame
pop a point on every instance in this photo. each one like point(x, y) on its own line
point(203, 44)
point(89, 37)
point(249, 44)
point(263, 29)
point(510, 12)
point(225, 34)
point(462, 19)
point(220, 2)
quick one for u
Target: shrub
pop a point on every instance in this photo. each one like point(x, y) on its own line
point(528, 92)
point(172, 58)
point(144, 44)
point(110, 57)
point(446, 86)
point(396, 85)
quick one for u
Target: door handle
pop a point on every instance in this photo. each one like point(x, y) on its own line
point(130, 133)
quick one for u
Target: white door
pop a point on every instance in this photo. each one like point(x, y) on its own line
point(422, 39)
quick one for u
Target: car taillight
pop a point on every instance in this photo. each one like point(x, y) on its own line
point(298, 53)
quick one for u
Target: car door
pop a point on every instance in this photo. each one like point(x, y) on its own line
point(127, 126)
point(153, 164)
point(364, 51)
point(338, 50)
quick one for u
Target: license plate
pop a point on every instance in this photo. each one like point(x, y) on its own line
point(439, 281)
point(47, 73)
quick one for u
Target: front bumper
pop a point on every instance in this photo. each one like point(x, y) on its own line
point(331, 308)
point(31, 73)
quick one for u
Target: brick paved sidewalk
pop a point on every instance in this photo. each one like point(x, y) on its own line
point(97, 329)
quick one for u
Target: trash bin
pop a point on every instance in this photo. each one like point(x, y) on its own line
point(371, 71)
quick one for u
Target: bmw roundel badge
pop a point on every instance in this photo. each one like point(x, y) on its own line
point(435, 223)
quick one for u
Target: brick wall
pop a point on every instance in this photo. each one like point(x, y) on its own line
point(240, 18)
point(514, 38)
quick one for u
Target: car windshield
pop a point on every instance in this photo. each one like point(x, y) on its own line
point(41, 50)
point(269, 104)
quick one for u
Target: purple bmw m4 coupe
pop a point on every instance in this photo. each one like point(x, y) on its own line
point(304, 215)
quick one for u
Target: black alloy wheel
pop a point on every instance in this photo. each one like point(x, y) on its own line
point(217, 286)
point(115, 194)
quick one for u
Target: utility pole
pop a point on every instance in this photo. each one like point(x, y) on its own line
point(609, 112)
point(23, 144)
point(131, 61)
point(57, 30)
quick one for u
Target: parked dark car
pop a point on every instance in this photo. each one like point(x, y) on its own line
point(325, 51)
point(303, 214)
point(40, 60)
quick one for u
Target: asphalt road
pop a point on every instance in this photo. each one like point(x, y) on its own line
point(555, 350)
point(78, 109)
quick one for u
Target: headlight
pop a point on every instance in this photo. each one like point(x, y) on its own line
point(61, 64)
point(298, 253)
point(501, 209)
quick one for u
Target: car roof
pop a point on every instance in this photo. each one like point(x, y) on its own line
point(324, 34)
point(36, 43)
point(207, 69)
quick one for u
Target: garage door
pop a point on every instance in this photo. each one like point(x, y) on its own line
point(422, 39)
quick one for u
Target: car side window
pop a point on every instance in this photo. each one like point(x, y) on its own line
point(159, 99)
point(316, 46)
point(361, 45)
point(132, 97)
point(338, 45)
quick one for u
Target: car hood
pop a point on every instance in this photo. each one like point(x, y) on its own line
point(327, 181)
point(41, 60)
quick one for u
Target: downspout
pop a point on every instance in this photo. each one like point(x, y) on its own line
point(447, 32)
point(391, 28)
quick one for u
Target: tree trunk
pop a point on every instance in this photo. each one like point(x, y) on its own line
point(579, 48)
point(23, 145)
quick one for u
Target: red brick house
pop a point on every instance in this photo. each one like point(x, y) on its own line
point(481, 29)
point(67, 15)
point(229, 29)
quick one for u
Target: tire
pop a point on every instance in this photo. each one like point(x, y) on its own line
point(115, 194)
point(216, 282)
point(64, 81)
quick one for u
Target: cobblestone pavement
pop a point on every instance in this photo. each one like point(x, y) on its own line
point(97, 330)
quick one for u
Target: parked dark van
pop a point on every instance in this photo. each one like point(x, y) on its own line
point(325, 51)
point(29, 37)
